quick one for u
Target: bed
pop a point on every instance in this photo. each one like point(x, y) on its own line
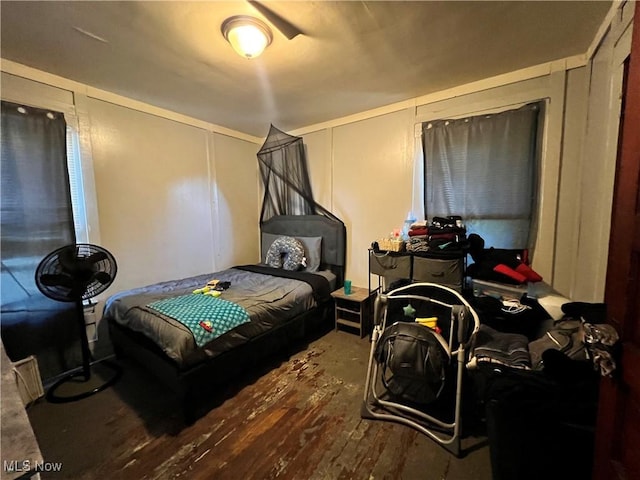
point(266, 310)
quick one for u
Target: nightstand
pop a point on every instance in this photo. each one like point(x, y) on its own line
point(354, 310)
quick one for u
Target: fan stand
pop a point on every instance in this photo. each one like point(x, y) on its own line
point(86, 368)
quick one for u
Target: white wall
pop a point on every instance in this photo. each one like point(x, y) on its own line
point(372, 183)
point(318, 148)
point(172, 198)
point(236, 201)
point(598, 166)
point(154, 195)
point(568, 219)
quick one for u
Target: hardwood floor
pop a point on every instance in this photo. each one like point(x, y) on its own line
point(298, 418)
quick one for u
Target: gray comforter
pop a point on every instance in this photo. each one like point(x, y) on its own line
point(269, 300)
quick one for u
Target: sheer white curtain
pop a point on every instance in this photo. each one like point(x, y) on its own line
point(485, 169)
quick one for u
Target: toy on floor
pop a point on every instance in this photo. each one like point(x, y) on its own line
point(500, 265)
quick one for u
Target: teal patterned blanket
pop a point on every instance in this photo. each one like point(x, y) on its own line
point(207, 317)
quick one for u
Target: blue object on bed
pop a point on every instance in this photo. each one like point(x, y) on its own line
point(207, 317)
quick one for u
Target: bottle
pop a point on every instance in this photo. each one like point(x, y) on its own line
point(407, 226)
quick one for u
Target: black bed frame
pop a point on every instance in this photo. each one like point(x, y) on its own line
point(189, 384)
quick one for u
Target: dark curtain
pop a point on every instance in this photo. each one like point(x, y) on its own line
point(284, 173)
point(36, 217)
point(485, 169)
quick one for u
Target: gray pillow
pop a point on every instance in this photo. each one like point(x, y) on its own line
point(312, 250)
point(267, 240)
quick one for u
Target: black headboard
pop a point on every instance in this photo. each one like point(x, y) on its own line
point(333, 233)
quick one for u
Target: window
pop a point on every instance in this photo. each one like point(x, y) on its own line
point(76, 185)
point(485, 169)
point(30, 93)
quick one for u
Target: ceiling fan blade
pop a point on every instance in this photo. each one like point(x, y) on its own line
point(284, 26)
point(57, 280)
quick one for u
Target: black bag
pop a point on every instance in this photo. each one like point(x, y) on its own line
point(414, 361)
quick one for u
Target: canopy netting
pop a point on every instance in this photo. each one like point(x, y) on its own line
point(283, 168)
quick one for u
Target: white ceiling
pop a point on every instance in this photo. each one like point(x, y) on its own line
point(352, 57)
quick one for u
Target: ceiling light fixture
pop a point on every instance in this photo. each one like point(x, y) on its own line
point(247, 35)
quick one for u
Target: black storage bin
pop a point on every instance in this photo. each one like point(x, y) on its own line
point(389, 265)
point(444, 271)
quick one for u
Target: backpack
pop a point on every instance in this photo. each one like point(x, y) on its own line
point(414, 361)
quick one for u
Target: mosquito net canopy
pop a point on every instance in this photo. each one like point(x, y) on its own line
point(284, 173)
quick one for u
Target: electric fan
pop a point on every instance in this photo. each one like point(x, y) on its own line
point(75, 273)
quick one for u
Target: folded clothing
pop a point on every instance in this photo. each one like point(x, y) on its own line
point(492, 346)
point(419, 224)
point(418, 231)
point(418, 245)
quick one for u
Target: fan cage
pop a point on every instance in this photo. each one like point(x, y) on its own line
point(54, 264)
